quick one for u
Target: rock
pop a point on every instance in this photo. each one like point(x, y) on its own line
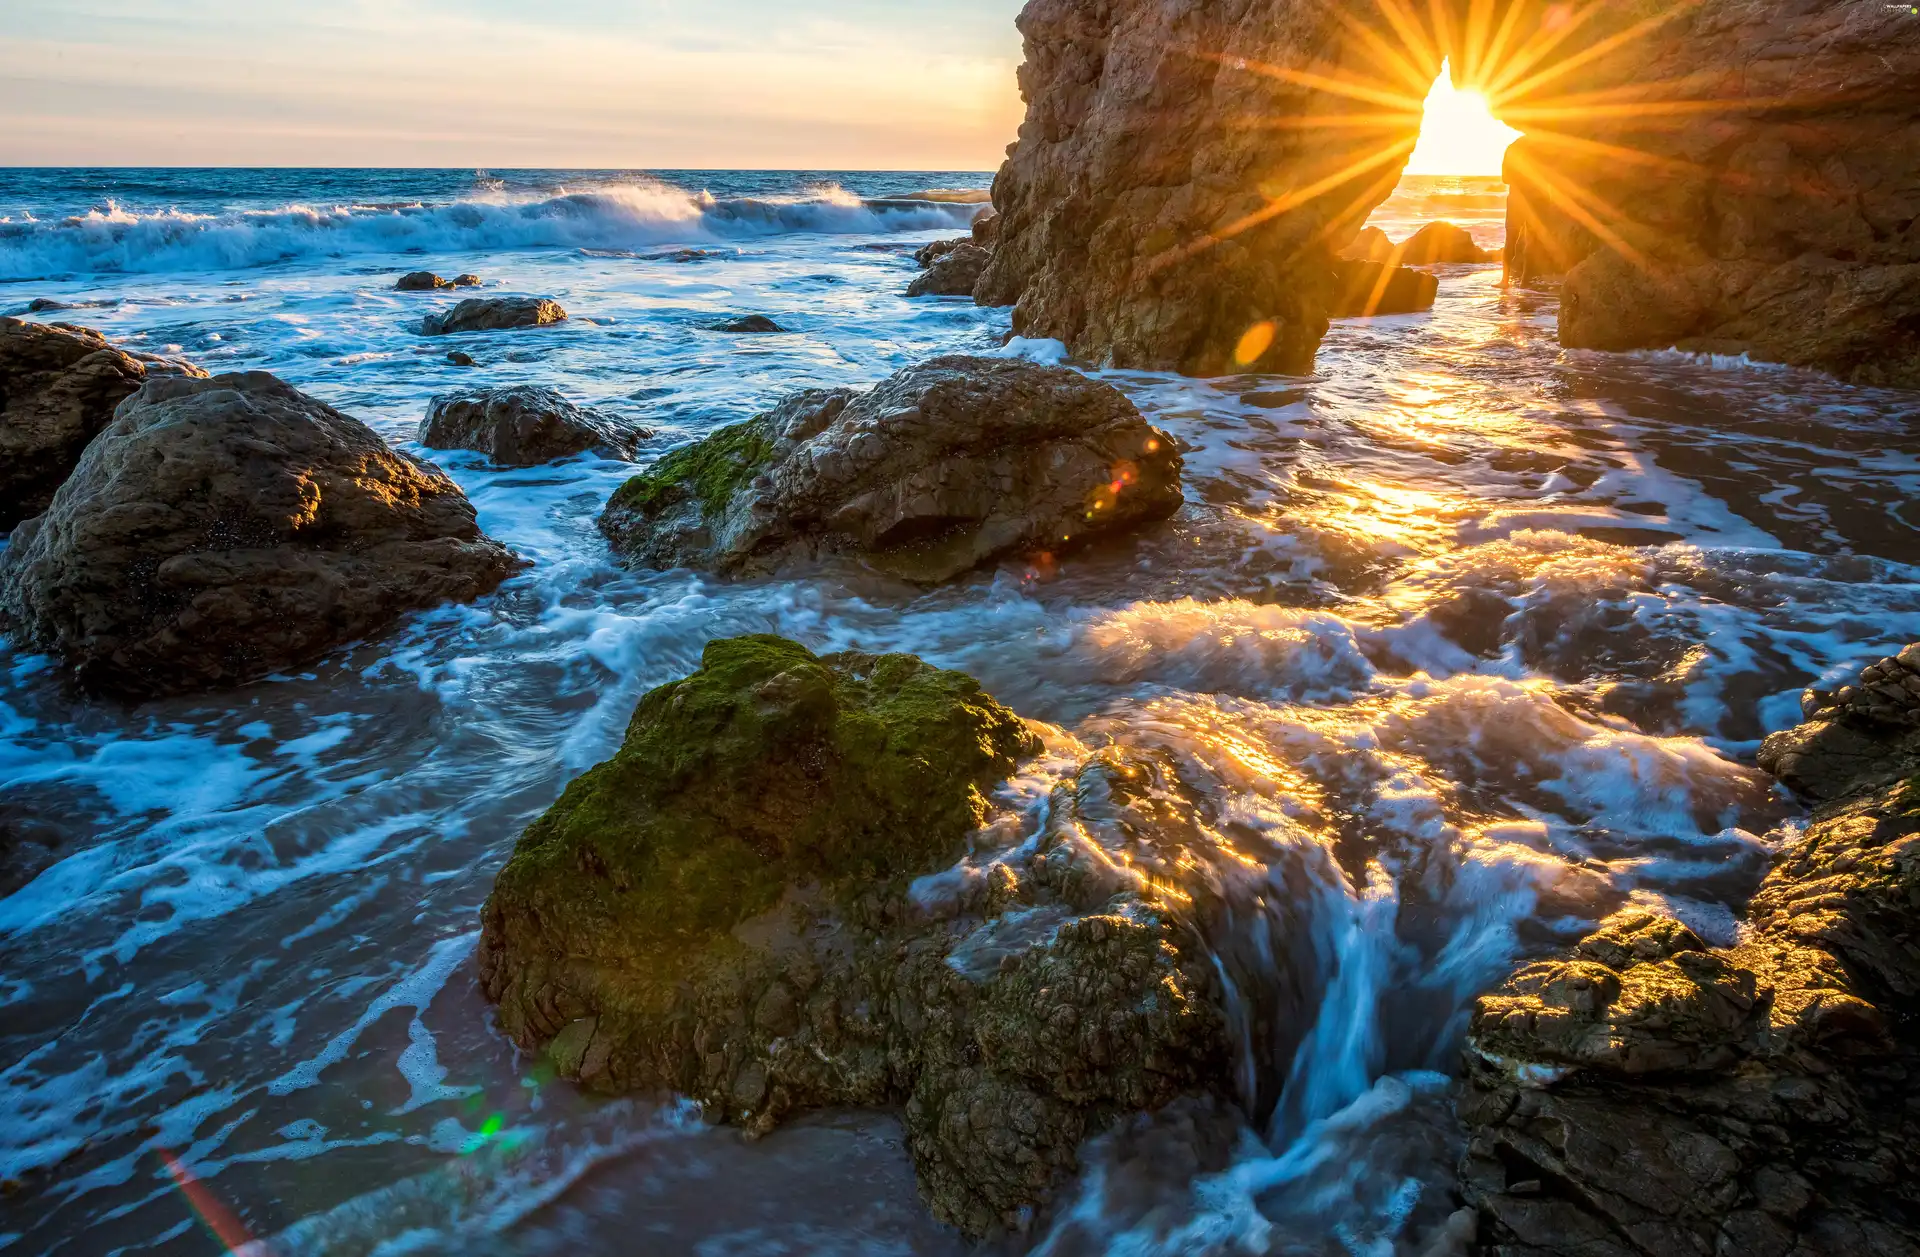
point(927, 254)
point(466, 281)
point(523, 426)
point(1785, 230)
point(953, 274)
point(46, 305)
point(421, 281)
point(494, 314)
point(1370, 288)
point(1371, 245)
point(726, 909)
point(1441, 243)
point(460, 359)
point(1146, 224)
point(59, 385)
point(1857, 736)
point(942, 467)
point(1651, 1095)
point(220, 530)
point(750, 325)
point(986, 229)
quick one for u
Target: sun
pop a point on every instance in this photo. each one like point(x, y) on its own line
point(1459, 134)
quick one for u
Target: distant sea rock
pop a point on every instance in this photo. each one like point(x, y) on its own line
point(427, 281)
point(750, 325)
point(953, 273)
point(1370, 288)
point(222, 529)
point(944, 466)
point(59, 385)
point(494, 314)
point(523, 426)
point(1441, 243)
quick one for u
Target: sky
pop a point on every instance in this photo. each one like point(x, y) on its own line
point(818, 84)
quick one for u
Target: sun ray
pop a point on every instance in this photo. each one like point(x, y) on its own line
point(1384, 53)
point(1537, 48)
point(1567, 196)
point(1508, 89)
point(1327, 83)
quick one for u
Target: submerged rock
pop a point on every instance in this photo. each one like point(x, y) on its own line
point(219, 530)
point(1652, 1095)
point(459, 359)
point(494, 314)
point(942, 467)
point(953, 273)
point(1370, 288)
point(427, 281)
point(750, 325)
point(59, 385)
point(524, 425)
point(727, 909)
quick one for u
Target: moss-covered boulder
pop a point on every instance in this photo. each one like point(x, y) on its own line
point(738, 907)
point(947, 465)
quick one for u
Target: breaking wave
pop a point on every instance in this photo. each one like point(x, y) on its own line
point(112, 240)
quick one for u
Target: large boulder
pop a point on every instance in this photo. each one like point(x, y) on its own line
point(524, 425)
point(220, 530)
point(494, 314)
point(953, 273)
point(1370, 245)
point(1370, 288)
point(942, 467)
point(1439, 243)
point(1651, 1095)
point(728, 908)
point(59, 385)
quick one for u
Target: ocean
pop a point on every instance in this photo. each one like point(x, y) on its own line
point(1479, 633)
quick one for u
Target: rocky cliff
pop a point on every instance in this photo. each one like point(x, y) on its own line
point(1724, 174)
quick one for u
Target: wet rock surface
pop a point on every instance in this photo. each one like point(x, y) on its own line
point(750, 325)
point(1653, 1095)
point(1370, 288)
point(944, 466)
point(953, 273)
point(427, 281)
point(1441, 243)
point(494, 314)
point(222, 529)
point(728, 909)
point(1781, 222)
point(59, 385)
point(525, 425)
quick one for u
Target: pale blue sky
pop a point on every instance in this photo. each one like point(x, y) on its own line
point(849, 84)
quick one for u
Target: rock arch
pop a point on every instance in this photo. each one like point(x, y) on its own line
point(1727, 174)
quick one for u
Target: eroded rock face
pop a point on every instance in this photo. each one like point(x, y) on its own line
point(1651, 1095)
point(727, 908)
point(523, 426)
point(1782, 218)
point(1859, 735)
point(494, 314)
point(219, 530)
point(1182, 168)
point(953, 273)
point(59, 385)
point(944, 466)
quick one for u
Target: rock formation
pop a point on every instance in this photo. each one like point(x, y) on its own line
point(728, 909)
point(1726, 173)
point(1651, 1096)
point(1370, 288)
point(942, 467)
point(986, 229)
point(523, 426)
point(1371, 245)
point(219, 530)
point(427, 281)
point(952, 273)
point(1440, 243)
point(494, 314)
point(927, 254)
point(59, 385)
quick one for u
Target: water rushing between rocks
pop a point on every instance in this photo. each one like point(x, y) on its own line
point(1456, 647)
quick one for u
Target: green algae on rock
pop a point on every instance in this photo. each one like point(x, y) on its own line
point(728, 909)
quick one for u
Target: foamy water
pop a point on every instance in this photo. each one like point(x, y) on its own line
point(1456, 646)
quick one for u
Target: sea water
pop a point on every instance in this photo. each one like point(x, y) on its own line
point(1470, 637)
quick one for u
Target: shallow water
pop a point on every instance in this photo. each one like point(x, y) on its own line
point(1465, 640)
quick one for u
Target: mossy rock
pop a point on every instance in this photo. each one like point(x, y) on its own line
point(726, 909)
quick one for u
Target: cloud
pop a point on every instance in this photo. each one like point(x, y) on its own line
point(849, 84)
